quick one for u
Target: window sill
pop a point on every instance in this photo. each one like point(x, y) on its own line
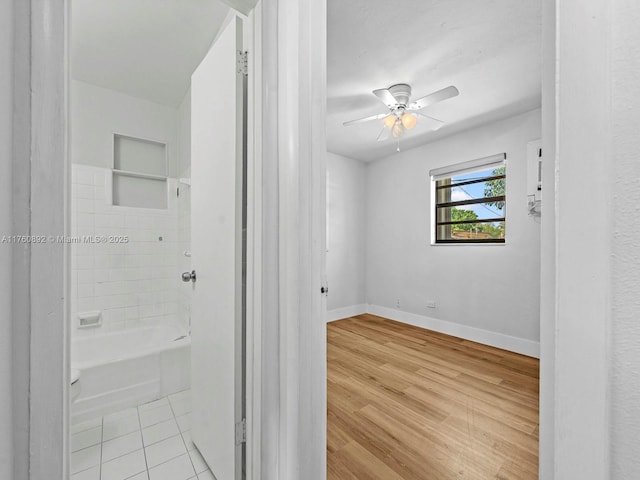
point(467, 244)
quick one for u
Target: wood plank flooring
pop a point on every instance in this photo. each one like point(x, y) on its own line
point(406, 403)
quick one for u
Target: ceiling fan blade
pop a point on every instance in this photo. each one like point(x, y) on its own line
point(386, 97)
point(429, 122)
point(432, 98)
point(385, 133)
point(365, 119)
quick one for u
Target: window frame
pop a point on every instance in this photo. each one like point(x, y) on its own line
point(449, 171)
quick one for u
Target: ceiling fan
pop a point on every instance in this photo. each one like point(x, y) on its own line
point(403, 113)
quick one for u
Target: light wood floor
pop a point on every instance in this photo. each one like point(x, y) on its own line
point(407, 403)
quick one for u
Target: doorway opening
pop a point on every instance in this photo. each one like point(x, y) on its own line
point(158, 241)
point(433, 252)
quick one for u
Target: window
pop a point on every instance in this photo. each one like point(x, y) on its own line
point(139, 173)
point(470, 201)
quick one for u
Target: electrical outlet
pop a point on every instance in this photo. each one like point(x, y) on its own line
point(431, 304)
point(397, 303)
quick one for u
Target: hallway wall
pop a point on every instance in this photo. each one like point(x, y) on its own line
point(6, 120)
point(625, 233)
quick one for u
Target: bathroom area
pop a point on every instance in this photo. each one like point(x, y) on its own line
point(130, 308)
point(131, 275)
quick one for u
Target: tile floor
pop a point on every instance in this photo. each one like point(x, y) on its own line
point(150, 442)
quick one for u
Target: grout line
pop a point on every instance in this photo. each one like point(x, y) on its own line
point(144, 451)
point(103, 441)
point(184, 443)
point(101, 444)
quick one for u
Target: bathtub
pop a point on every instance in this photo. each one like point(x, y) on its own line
point(125, 368)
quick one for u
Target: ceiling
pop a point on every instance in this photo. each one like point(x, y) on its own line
point(490, 50)
point(144, 48)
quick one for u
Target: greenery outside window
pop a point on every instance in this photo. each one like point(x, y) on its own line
point(470, 201)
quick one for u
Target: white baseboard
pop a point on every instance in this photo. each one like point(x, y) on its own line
point(346, 312)
point(486, 337)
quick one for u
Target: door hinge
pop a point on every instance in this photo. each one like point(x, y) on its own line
point(241, 432)
point(242, 62)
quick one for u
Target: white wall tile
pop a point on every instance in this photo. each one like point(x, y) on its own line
point(129, 281)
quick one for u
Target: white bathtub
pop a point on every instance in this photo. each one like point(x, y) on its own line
point(124, 368)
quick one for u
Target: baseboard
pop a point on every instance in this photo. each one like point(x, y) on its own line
point(486, 337)
point(346, 312)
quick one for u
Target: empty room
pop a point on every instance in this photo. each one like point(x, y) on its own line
point(433, 239)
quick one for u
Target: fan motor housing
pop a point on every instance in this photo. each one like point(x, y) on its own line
point(401, 92)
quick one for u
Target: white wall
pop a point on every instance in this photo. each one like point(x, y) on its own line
point(625, 232)
point(183, 135)
point(6, 90)
point(97, 113)
point(345, 232)
point(490, 287)
point(582, 245)
point(137, 282)
point(131, 283)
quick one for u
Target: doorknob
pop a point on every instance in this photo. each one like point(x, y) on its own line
point(189, 276)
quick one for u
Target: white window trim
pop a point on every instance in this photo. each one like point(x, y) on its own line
point(435, 174)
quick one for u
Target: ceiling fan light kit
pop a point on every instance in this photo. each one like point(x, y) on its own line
point(397, 98)
point(409, 120)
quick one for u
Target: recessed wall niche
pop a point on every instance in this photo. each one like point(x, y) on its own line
point(139, 172)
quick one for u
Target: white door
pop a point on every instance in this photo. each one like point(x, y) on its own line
point(216, 229)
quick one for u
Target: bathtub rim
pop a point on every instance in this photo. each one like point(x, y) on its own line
point(160, 347)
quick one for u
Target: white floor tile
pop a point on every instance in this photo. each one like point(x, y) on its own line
point(180, 396)
point(154, 404)
point(148, 442)
point(177, 469)
point(128, 412)
point(184, 422)
point(120, 427)
point(124, 467)
point(155, 415)
point(85, 439)
point(159, 432)
point(206, 476)
point(87, 425)
point(181, 406)
point(89, 474)
point(140, 476)
point(186, 436)
point(84, 459)
point(198, 462)
point(165, 450)
point(121, 446)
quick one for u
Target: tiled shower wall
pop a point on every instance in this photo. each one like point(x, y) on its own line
point(135, 283)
